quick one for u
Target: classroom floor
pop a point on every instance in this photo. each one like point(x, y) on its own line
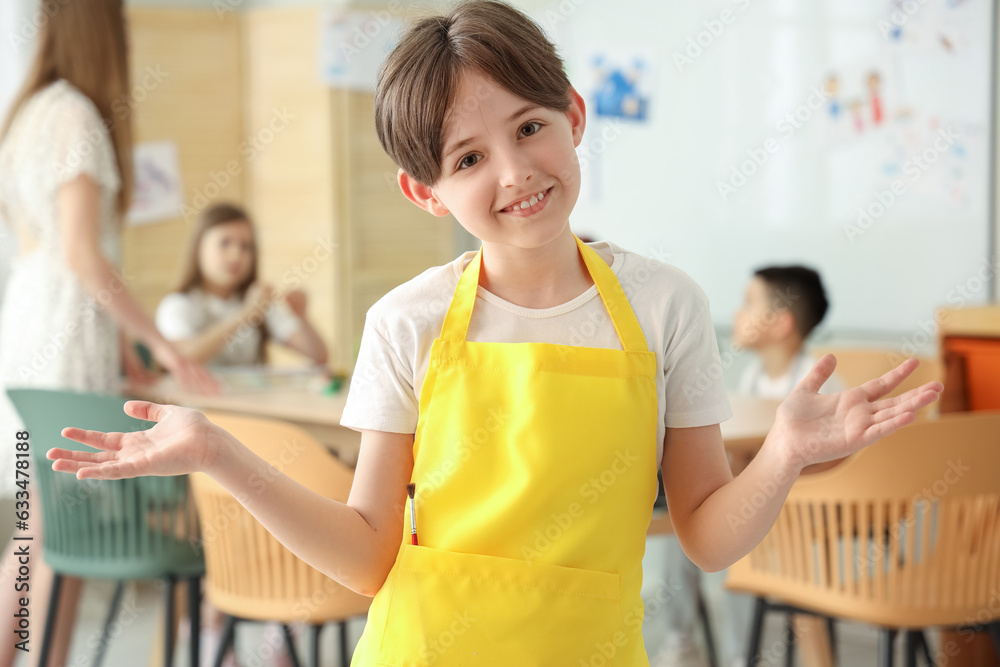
point(143, 614)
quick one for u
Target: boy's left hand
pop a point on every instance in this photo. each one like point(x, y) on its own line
point(814, 428)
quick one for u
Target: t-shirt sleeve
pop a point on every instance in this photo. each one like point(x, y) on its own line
point(381, 396)
point(281, 322)
point(178, 318)
point(693, 373)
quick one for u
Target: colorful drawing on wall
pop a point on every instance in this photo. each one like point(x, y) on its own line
point(861, 99)
point(353, 44)
point(933, 26)
point(621, 86)
point(157, 194)
point(933, 156)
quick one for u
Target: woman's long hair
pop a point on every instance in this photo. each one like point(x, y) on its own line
point(83, 42)
point(192, 277)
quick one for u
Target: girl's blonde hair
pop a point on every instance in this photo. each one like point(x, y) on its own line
point(83, 42)
point(192, 276)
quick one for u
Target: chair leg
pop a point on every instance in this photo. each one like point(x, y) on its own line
point(314, 633)
point(886, 646)
point(706, 625)
point(168, 628)
point(994, 630)
point(50, 619)
point(194, 616)
point(756, 629)
point(831, 631)
point(102, 646)
point(345, 653)
point(290, 645)
point(925, 648)
point(790, 640)
point(227, 641)
point(910, 647)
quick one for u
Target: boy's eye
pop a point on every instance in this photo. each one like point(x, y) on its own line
point(468, 161)
point(531, 128)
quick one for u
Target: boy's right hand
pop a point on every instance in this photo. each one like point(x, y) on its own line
point(183, 441)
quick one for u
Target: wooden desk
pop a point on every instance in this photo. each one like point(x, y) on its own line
point(316, 413)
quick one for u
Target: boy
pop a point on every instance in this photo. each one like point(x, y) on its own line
point(533, 448)
point(782, 305)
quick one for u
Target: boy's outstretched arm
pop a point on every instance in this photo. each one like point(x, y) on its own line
point(719, 519)
point(354, 543)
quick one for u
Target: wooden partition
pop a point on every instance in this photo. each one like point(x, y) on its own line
point(186, 88)
point(244, 89)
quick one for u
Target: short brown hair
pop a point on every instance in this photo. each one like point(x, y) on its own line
point(418, 80)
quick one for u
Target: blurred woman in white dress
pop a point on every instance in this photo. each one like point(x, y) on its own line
point(67, 313)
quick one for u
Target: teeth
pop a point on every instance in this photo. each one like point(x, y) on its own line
point(528, 203)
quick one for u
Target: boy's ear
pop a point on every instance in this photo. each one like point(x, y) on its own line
point(785, 324)
point(420, 194)
point(577, 115)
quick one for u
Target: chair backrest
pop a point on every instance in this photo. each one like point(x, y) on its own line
point(251, 574)
point(122, 529)
point(905, 533)
point(856, 366)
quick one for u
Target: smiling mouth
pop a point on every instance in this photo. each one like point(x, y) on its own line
point(529, 206)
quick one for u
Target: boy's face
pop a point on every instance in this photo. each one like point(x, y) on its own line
point(761, 321)
point(500, 151)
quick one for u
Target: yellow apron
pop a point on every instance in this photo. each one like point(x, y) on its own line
point(535, 469)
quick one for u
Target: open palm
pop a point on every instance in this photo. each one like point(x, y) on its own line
point(176, 445)
point(815, 427)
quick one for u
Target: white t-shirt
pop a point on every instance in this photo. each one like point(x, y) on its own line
point(756, 382)
point(181, 316)
point(672, 312)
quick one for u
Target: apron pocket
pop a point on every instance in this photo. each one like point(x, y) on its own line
point(449, 608)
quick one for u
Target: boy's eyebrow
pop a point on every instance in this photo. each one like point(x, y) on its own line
point(514, 116)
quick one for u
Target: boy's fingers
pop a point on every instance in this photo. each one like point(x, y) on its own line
point(119, 470)
point(65, 465)
point(145, 410)
point(69, 455)
point(878, 387)
point(95, 439)
point(882, 429)
point(819, 374)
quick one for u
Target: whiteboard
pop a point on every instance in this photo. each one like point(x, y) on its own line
point(718, 80)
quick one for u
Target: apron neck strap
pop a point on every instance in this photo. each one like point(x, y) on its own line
point(456, 321)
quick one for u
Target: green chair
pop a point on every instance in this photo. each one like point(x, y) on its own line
point(143, 528)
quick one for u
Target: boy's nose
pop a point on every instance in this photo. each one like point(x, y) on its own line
point(514, 170)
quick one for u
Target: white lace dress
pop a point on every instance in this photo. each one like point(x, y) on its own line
point(52, 333)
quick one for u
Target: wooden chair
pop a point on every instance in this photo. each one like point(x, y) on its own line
point(250, 575)
point(904, 535)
